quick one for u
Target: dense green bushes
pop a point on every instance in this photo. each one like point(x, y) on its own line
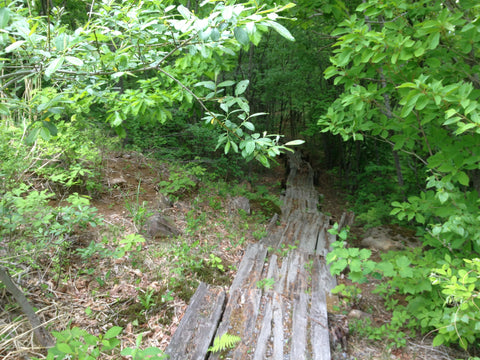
point(398, 63)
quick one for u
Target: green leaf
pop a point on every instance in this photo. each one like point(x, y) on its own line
point(263, 160)
point(113, 332)
point(241, 87)
point(44, 133)
point(215, 34)
point(241, 35)
point(50, 127)
point(463, 178)
point(387, 269)
point(438, 340)
point(184, 12)
point(442, 196)
point(419, 52)
point(295, 142)
point(4, 110)
point(226, 83)
point(4, 17)
point(243, 104)
point(420, 218)
point(226, 341)
point(54, 66)
point(207, 84)
point(249, 125)
point(250, 147)
point(74, 60)
point(14, 46)
point(433, 40)
point(403, 261)
point(282, 30)
point(65, 348)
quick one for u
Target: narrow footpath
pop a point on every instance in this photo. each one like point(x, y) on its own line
point(277, 303)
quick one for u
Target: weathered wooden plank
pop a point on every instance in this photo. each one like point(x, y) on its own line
point(278, 316)
point(299, 349)
point(198, 326)
point(278, 328)
point(318, 314)
point(250, 268)
point(312, 225)
point(328, 280)
point(322, 240)
point(239, 319)
point(262, 341)
point(243, 303)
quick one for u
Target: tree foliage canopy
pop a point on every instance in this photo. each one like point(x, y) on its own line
point(135, 61)
point(409, 70)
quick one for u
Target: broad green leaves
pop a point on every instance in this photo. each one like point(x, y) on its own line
point(173, 47)
point(410, 78)
point(54, 66)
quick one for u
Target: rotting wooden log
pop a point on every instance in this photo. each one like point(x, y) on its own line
point(198, 326)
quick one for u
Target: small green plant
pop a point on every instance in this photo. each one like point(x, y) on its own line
point(181, 180)
point(309, 266)
point(216, 263)
point(259, 234)
point(224, 342)
point(146, 298)
point(461, 288)
point(195, 220)
point(95, 249)
point(78, 344)
point(71, 159)
point(138, 212)
point(390, 333)
point(355, 259)
point(266, 284)
point(351, 293)
point(167, 296)
point(131, 242)
point(283, 250)
point(150, 353)
point(102, 280)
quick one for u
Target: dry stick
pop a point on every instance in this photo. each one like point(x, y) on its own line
point(42, 335)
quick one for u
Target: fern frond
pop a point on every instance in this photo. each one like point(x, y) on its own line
point(226, 341)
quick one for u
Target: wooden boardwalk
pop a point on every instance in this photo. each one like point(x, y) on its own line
point(277, 301)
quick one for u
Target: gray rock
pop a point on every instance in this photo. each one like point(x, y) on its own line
point(379, 238)
point(239, 202)
point(160, 226)
point(358, 314)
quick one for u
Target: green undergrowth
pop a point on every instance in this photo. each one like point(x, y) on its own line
point(428, 291)
point(67, 240)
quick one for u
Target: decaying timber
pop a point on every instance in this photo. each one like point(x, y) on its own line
point(277, 301)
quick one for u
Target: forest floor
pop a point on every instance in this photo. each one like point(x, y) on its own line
point(146, 292)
